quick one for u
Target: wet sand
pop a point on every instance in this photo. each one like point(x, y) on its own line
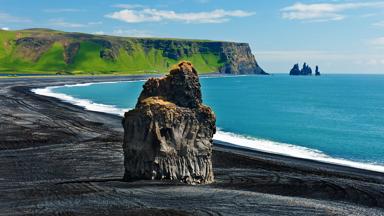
point(59, 159)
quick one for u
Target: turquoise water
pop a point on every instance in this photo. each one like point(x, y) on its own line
point(334, 118)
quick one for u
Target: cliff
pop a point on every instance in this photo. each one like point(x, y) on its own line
point(169, 133)
point(49, 51)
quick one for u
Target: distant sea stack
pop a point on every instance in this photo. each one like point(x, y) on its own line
point(317, 72)
point(169, 133)
point(50, 51)
point(305, 71)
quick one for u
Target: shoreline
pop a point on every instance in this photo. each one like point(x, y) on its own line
point(59, 158)
point(289, 150)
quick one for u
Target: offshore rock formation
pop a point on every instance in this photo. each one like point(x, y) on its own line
point(169, 133)
point(295, 70)
point(305, 71)
point(317, 72)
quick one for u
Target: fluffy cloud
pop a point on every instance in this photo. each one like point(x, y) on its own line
point(377, 42)
point(324, 11)
point(154, 15)
point(5, 28)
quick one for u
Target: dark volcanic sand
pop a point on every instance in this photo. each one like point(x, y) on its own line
point(57, 159)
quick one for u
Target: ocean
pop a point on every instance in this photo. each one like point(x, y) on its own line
point(333, 118)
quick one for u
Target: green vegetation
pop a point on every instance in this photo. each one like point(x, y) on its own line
point(43, 51)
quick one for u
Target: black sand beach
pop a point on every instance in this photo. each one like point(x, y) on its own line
point(58, 159)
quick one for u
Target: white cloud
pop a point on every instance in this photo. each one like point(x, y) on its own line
point(154, 15)
point(126, 33)
point(324, 11)
point(132, 33)
point(62, 10)
point(65, 24)
point(377, 42)
point(95, 23)
point(5, 28)
point(129, 6)
point(7, 18)
point(379, 24)
point(99, 33)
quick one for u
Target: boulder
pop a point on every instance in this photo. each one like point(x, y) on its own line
point(169, 133)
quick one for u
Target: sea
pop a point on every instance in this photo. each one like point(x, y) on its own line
point(337, 119)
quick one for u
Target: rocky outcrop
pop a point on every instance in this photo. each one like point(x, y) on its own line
point(317, 72)
point(70, 51)
point(295, 70)
point(31, 48)
point(169, 133)
point(305, 71)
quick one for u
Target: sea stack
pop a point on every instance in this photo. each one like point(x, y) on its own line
point(305, 71)
point(169, 133)
point(317, 72)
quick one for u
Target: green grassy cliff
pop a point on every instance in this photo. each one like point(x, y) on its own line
point(54, 52)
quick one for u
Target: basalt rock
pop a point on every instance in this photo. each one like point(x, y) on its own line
point(169, 133)
point(295, 70)
point(305, 71)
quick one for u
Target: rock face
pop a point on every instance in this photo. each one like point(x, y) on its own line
point(295, 70)
point(317, 72)
point(305, 71)
point(63, 51)
point(239, 60)
point(169, 133)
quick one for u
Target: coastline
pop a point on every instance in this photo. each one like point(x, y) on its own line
point(38, 126)
point(239, 141)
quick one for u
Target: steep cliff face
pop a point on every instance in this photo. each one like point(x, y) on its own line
point(42, 50)
point(239, 59)
point(169, 133)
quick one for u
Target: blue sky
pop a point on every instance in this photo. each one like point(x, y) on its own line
point(341, 36)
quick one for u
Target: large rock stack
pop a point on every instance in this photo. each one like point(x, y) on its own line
point(169, 133)
point(305, 71)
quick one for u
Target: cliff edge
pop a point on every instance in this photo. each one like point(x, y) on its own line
point(56, 52)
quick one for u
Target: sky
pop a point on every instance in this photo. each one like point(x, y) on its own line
point(341, 36)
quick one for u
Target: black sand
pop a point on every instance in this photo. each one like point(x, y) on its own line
point(58, 159)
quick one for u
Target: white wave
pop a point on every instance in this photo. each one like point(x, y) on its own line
point(96, 83)
point(289, 150)
point(231, 139)
point(86, 104)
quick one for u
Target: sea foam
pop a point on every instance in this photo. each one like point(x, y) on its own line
point(228, 138)
point(279, 148)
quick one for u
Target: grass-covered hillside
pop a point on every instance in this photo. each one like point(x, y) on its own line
point(53, 52)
